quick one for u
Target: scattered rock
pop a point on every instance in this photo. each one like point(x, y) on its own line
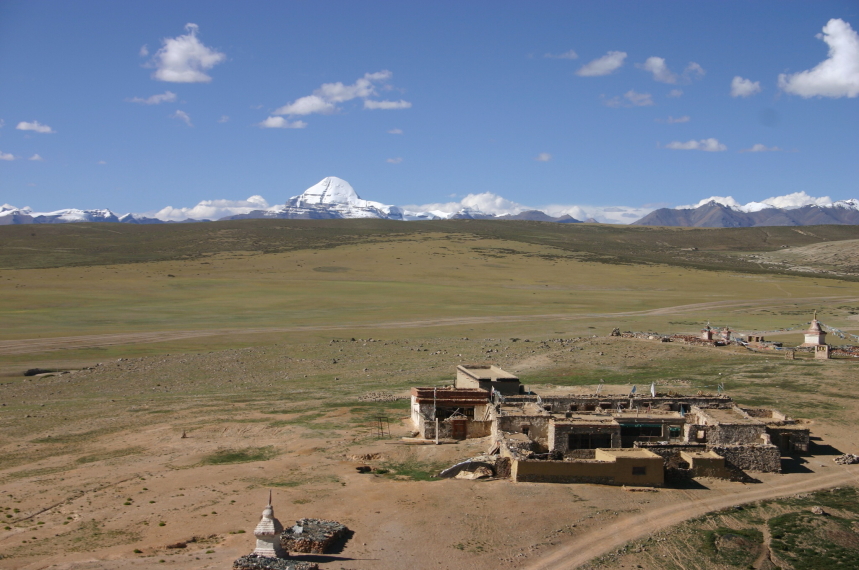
point(847, 459)
point(818, 511)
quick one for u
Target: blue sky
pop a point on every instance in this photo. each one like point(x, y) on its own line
point(514, 103)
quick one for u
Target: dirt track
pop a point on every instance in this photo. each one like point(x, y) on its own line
point(603, 540)
point(28, 346)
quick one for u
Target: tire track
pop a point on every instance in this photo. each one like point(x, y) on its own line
point(605, 539)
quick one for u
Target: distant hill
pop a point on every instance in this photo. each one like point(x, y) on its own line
point(716, 215)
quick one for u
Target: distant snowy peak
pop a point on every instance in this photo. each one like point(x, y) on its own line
point(792, 201)
point(10, 215)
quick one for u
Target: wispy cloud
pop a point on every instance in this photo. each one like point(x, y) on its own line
point(566, 55)
point(325, 99)
point(6, 156)
point(744, 87)
point(368, 104)
point(223, 119)
point(604, 65)
point(661, 73)
point(543, 157)
point(762, 148)
point(37, 158)
point(182, 116)
point(397, 160)
point(144, 50)
point(675, 93)
point(281, 123)
point(395, 132)
point(674, 120)
point(166, 97)
point(838, 75)
point(707, 145)
point(184, 59)
point(35, 126)
point(101, 162)
point(630, 99)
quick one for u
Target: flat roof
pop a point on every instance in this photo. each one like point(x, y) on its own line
point(486, 372)
point(628, 452)
point(729, 416)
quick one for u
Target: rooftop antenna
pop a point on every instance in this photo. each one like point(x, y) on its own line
point(599, 386)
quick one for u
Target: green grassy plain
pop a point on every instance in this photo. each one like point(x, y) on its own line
point(262, 340)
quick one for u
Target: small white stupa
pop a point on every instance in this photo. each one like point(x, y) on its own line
point(267, 533)
point(815, 335)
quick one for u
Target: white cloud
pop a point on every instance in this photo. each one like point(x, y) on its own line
point(631, 99)
point(674, 120)
point(306, 106)
point(211, 209)
point(675, 93)
point(708, 145)
point(166, 97)
point(395, 132)
point(144, 50)
point(836, 76)
point(566, 55)
point(394, 160)
point(543, 157)
point(102, 162)
point(744, 87)
point(184, 59)
point(182, 116)
point(223, 119)
point(761, 148)
point(693, 70)
point(281, 123)
point(35, 126)
point(788, 202)
point(324, 100)
point(368, 104)
point(6, 156)
point(37, 158)
point(490, 203)
point(603, 65)
point(660, 71)
point(2, 122)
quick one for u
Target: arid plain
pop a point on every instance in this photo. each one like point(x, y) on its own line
point(264, 343)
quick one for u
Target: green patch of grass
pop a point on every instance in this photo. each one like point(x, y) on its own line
point(413, 469)
point(737, 547)
point(246, 455)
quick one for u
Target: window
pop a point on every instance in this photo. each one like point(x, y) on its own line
point(526, 429)
point(639, 470)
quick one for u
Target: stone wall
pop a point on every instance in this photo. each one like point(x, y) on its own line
point(761, 458)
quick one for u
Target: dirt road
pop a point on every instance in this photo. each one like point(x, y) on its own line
point(603, 540)
point(34, 345)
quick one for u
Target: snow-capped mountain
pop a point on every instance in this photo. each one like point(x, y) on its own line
point(11, 215)
point(333, 197)
point(724, 214)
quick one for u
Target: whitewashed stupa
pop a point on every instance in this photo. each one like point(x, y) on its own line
point(267, 533)
point(815, 335)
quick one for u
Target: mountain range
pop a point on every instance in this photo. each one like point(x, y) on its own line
point(333, 198)
point(716, 215)
point(329, 198)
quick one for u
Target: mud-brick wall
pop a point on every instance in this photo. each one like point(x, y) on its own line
point(538, 426)
point(760, 458)
point(619, 472)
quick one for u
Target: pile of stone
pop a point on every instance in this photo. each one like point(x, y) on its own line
point(847, 459)
point(313, 536)
point(255, 562)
